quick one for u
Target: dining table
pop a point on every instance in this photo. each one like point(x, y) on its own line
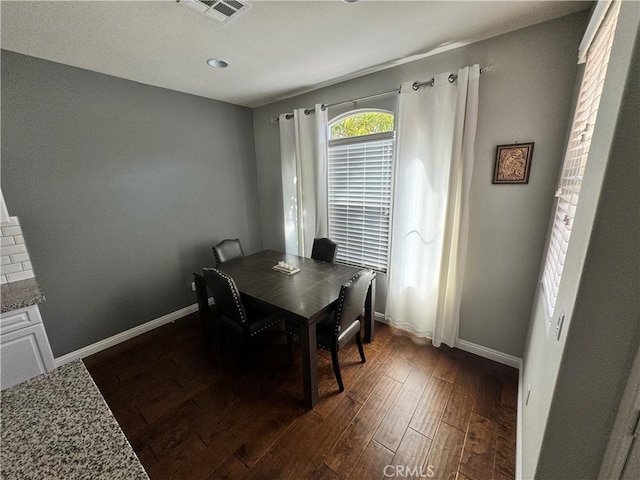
point(304, 297)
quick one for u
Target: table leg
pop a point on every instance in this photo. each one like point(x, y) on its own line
point(369, 312)
point(309, 363)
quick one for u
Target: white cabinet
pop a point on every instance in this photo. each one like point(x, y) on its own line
point(24, 346)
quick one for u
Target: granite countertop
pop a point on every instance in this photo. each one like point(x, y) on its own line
point(20, 294)
point(58, 426)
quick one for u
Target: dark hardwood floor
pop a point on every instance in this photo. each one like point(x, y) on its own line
point(411, 410)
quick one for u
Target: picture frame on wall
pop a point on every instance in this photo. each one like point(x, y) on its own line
point(513, 163)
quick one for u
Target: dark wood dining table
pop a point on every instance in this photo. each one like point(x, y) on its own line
point(304, 297)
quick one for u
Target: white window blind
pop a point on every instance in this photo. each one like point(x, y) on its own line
point(359, 189)
point(577, 153)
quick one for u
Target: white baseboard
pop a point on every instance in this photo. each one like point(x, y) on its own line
point(405, 327)
point(126, 335)
point(479, 350)
point(476, 349)
point(489, 353)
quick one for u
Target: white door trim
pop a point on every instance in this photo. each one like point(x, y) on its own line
point(621, 437)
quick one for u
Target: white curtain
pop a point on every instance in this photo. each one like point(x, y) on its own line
point(434, 162)
point(303, 151)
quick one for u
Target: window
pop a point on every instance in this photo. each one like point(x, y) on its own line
point(360, 165)
point(576, 154)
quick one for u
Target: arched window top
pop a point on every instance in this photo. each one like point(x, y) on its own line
point(357, 123)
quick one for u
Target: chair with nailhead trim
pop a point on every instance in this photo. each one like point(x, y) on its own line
point(341, 325)
point(207, 317)
point(234, 315)
point(324, 249)
point(227, 250)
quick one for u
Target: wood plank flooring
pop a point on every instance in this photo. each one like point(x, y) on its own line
point(411, 410)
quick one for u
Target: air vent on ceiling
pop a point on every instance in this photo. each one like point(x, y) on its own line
point(221, 10)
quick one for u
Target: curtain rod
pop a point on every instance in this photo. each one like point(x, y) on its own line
point(416, 85)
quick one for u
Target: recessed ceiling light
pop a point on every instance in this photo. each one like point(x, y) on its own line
point(350, 1)
point(217, 63)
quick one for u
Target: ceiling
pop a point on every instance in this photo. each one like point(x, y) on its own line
point(275, 49)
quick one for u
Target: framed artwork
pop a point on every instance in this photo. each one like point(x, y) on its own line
point(513, 163)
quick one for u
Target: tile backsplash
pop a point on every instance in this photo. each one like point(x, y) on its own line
point(16, 264)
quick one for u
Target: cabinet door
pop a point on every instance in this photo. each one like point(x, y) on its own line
point(24, 353)
point(21, 318)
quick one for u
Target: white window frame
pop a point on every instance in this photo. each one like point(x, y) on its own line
point(577, 153)
point(351, 256)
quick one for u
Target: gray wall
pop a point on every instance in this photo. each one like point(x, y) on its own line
point(527, 97)
point(121, 189)
point(577, 380)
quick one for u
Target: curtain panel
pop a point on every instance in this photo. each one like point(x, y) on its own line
point(436, 129)
point(303, 153)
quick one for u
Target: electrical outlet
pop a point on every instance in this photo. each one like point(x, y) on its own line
point(193, 286)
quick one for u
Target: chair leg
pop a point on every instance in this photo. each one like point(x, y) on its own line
point(290, 348)
point(222, 335)
point(336, 368)
point(246, 361)
point(207, 325)
point(360, 349)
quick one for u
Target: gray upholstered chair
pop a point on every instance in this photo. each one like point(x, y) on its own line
point(227, 250)
point(244, 320)
point(324, 249)
point(342, 324)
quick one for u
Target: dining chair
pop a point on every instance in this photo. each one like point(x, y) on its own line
point(227, 250)
point(324, 249)
point(341, 325)
point(207, 317)
point(244, 320)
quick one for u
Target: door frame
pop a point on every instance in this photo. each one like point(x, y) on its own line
point(622, 434)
